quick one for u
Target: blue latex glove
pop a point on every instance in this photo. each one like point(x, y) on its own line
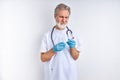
point(59, 47)
point(71, 43)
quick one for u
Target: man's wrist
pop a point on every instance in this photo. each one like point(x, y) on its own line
point(72, 46)
point(54, 50)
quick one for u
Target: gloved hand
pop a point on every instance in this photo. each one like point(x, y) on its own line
point(71, 43)
point(59, 47)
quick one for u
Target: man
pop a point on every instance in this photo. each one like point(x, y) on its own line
point(58, 50)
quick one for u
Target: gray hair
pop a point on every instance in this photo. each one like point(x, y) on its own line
point(61, 6)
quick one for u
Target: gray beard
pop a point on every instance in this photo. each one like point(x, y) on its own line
point(61, 26)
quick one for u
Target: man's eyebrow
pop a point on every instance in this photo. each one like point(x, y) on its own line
point(65, 16)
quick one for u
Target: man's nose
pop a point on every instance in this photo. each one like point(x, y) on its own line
point(64, 19)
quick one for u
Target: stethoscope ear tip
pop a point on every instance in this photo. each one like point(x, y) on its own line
point(72, 37)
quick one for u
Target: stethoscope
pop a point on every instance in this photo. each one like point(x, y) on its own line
point(67, 33)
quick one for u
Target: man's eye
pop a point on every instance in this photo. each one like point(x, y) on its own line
point(66, 17)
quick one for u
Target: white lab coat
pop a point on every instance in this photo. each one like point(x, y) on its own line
point(61, 66)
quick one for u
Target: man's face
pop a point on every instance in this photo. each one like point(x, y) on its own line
point(62, 17)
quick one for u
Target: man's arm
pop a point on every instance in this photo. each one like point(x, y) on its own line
point(74, 53)
point(46, 56)
point(56, 48)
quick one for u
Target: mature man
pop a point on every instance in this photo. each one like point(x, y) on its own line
point(60, 48)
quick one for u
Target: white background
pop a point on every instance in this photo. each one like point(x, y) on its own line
point(23, 22)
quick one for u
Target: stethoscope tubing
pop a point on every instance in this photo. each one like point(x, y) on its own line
point(52, 59)
point(68, 30)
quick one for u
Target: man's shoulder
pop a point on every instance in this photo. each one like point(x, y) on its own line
point(48, 32)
